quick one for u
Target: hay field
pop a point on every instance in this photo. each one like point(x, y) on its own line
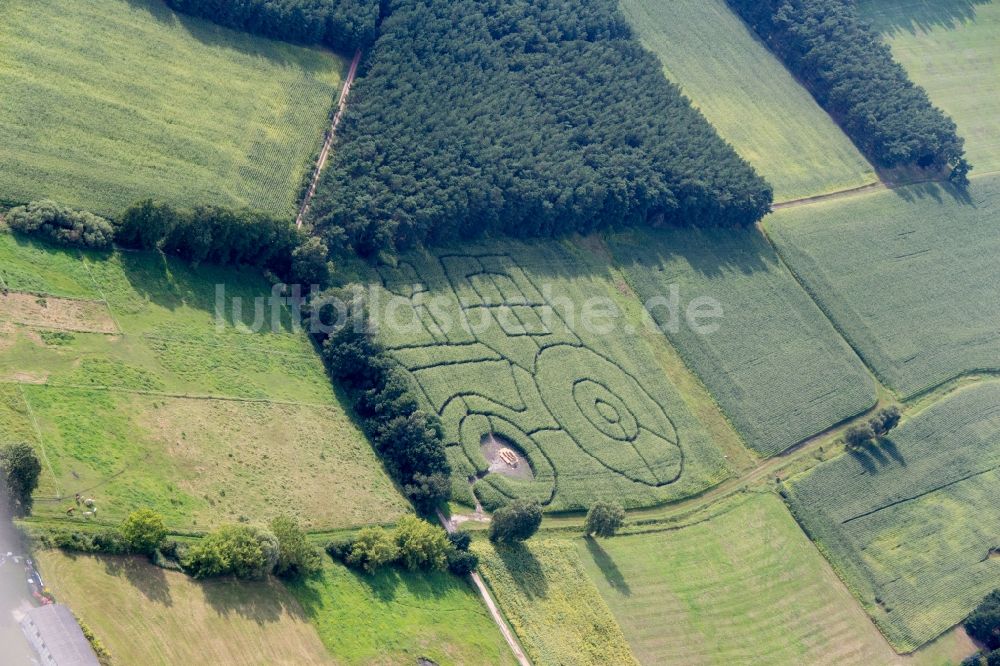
point(749, 96)
point(110, 101)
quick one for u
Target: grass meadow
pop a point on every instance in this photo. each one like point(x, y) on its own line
point(110, 101)
point(112, 364)
point(750, 98)
point(950, 47)
point(552, 606)
point(743, 586)
point(911, 522)
point(494, 336)
point(398, 617)
point(777, 367)
point(909, 276)
point(147, 615)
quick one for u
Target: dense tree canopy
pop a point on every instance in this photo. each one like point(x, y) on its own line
point(853, 75)
point(341, 24)
point(530, 118)
point(59, 224)
point(518, 521)
point(19, 470)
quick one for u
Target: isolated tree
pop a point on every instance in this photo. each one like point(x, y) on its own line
point(884, 421)
point(858, 435)
point(20, 469)
point(296, 556)
point(604, 519)
point(462, 563)
point(421, 545)
point(517, 521)
point(143, 531)
point(460, 540)
point(373, 549)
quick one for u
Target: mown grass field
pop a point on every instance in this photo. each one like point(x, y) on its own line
point(136, 397)
point(750, 98)
point(557, 613)
point(911, 523)
point(110, 101)
point(498, 339)
point(147, 615)
point(950, 47)
point(909, 276)
point(777, 367)
point(397, 617)
point(744, 586)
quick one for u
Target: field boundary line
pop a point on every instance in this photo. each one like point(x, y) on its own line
point(179, 396)
point(100, 291)
point(491, 604)
point(328, 143)
point(41, 439)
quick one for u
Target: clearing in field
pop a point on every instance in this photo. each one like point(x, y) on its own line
point(496, 338)
point(911, 522)
point(398, 617)
point(908, 276)
point(776, 366)
point(749, 96)
point(951, 48)
point(147, 615)
point(110, 101)
point(136, 397)
point(745, 586)
point(548, 600)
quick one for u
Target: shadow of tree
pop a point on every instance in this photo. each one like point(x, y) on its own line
point(147, 579)
point(894, 16)
point(525, 569)
point(608, 567)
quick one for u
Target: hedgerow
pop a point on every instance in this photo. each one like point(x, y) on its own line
point(60, 224)
point(340, 24)
point(530, 119)
point(853, 75)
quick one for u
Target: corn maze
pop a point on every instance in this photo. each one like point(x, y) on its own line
point(491, 355)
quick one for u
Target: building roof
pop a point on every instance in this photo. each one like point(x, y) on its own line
point(54, 632)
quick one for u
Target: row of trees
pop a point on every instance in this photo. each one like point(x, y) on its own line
point(983, 625)
point(528, 118)
point(343, 25)
point(853, 75)
point(409, 439)
point(412, 543)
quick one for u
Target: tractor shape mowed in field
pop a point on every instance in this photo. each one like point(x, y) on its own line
point(492, 354)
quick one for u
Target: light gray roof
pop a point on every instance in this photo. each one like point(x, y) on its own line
point(57, 637)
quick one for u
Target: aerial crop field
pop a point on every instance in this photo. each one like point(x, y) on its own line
point(777, 367)
point(551, 604)
point(749, 96)
point(743, 586)
point(909, 276)
point(398, 617)
point(136, 396)
point(147, 615)
point(495, 337)
point(911, 522)
point(110, 101)
point(950, 47)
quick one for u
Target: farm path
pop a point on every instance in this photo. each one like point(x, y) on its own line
point(487, 596)
point(328, 143)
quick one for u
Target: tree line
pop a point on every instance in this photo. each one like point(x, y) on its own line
point(526, 118)
point(852, 74)
point(343, 25)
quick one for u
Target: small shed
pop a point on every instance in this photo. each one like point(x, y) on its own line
point(56, 636)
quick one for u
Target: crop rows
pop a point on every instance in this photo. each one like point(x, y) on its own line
point(911, 522)
point(908, 276)
point(490, 354)
point(776, 366)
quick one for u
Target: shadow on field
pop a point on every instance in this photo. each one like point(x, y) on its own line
point(525, 569)
point(216, 36)
point(608, 567)
point(933, 190)
point(259, 602)
point(149, 580)
point(874, 456)
point(892, 16)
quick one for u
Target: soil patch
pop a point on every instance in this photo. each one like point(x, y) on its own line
point(56, 313)
point(504, 458)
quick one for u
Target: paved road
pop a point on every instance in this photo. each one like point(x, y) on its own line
point(14, 597)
